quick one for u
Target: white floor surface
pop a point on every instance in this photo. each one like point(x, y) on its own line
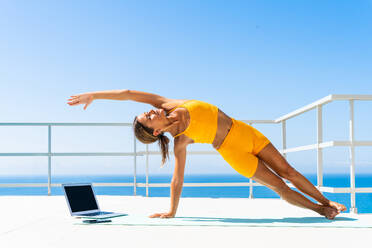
point(44, 221)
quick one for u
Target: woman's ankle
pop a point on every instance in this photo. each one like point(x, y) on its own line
point(325, 202)
point(320, 209)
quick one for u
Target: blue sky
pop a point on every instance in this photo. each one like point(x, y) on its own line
point(253, 59)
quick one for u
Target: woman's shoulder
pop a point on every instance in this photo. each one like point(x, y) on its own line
point(172, 104)
point(182, 140)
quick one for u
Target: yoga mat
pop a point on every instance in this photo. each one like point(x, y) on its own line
point(345, 221)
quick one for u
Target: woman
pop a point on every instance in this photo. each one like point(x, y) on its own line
point(247, 150)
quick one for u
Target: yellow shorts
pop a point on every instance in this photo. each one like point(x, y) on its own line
point(241, 146)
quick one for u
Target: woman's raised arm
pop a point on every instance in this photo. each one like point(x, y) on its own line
point(133, 95)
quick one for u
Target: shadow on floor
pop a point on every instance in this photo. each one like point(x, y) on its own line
point(282, 220)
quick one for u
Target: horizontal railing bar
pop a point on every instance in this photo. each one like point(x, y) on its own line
point(171, 152)
point(333, 190)
point(308, 147)
point(31, 185)
point(20, 154)
point(95, 154)
point(306, 108)
point(355, 143)
point(27, 185)
point(56, 154)
point(299, 148)
point(142, 153)
point(352, 97)
point(62, 124)
point(326, 144)
point(363, 190)
point(322, 101)
point(113, 184)
point(344, 190)
point(156, 185)
point(259, 121)
point(161, 185)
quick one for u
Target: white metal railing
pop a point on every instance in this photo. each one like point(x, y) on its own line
point(319, 146)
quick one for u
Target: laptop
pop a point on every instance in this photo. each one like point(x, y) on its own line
point(82, 202)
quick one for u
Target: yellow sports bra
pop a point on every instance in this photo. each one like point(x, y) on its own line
point(203, 121)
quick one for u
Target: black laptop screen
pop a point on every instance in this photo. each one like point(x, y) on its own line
point(81, 198)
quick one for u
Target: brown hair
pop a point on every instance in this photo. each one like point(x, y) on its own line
point(145, 135)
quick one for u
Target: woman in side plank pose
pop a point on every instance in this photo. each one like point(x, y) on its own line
point(247, 150)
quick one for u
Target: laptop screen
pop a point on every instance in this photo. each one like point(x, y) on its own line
point(81, 198)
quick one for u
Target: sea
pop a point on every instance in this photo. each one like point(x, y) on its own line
point(363, 200)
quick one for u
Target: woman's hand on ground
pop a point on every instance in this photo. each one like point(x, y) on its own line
point(86, 98)
point(163, 215)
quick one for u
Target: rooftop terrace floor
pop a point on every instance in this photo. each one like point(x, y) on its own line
point(44, 221)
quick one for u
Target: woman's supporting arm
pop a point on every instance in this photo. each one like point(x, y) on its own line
point(177, 179)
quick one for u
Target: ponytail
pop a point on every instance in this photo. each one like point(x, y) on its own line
point(164, 145)
point(145, 135)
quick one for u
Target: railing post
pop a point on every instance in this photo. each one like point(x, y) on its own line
point(250, 184)
point(319, 150)
point(353, 208)
point(284, 141)
point(49, 160)
point(284, 138)
point(135, 167)
point(147, 170)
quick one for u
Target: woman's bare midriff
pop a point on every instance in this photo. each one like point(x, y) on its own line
point(224, 122)
point(223, 127)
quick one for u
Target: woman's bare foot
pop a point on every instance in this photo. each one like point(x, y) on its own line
point(329, 212)
point(337, 206)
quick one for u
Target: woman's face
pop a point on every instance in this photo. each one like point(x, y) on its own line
point(154, 119)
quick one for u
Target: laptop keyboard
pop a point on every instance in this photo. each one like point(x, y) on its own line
point(99, 213)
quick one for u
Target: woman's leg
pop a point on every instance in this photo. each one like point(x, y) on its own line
point(266, 177)
point(271, 156)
